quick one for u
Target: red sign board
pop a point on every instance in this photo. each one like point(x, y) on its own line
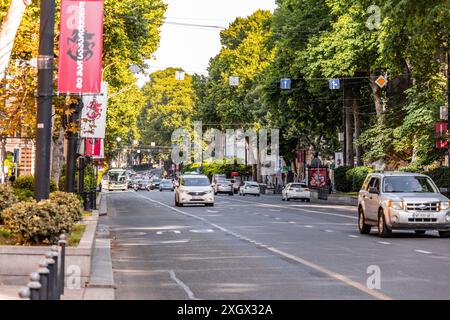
point(80, 46)
point(318, 177)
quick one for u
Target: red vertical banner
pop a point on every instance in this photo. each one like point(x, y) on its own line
point(441, 131)
point(80, 46)
point(93, 147)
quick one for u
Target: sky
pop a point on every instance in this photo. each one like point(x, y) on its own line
point(191, 47)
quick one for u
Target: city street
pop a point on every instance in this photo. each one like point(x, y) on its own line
point(263, 248)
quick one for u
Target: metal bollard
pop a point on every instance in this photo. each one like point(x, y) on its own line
point(51, 276)
point(44, 273)
point(62, 263)
point(55, 255)
point(34, 286)
point(24, 293)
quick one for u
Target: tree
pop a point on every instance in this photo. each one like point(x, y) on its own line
point(169, 106)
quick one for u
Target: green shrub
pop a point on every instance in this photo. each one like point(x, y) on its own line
point(70, 204)
point(340, 179)
point(42, 222)
point(7, 198)
point(348, 179)
point(24, 187)
point(357, 177)
point(35, 223)
point(441, 176)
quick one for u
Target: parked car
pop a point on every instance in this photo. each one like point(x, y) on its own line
point(250, 187)
point(403, 201)
point(223, 186)
point(194, 189)
point(166, 184)
point(298, 191)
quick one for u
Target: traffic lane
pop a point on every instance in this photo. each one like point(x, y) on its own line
point(154, 260)
point(348, 255)
point(408, 239)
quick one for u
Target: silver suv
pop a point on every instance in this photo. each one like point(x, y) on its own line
point(405, 201)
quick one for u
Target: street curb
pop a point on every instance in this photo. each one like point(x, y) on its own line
point(102, 207)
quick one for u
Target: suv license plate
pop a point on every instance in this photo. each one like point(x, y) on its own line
point(422, 215)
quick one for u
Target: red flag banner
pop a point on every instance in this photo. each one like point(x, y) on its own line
point(94, 148)
point(441, 131)
point(80, 46)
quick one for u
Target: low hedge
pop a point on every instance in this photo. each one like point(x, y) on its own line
point(7, 198)
point(42, 222)
point(24, 187)
point(348, 179)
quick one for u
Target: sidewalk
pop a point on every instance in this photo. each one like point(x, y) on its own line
point(101, 283)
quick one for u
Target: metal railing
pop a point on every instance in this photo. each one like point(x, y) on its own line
point(47, 283)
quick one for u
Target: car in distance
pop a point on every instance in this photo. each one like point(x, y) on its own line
point(298, 191)
point(402, 201)
point(166, 184)
point(223, 186)
point(194, 189)
point(154, 183)
point(250, 187)
point(142, 185)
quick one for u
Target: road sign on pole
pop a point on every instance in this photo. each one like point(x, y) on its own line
point(381, 81)
point(234, 81)
point(285, 84)
point(335, 84)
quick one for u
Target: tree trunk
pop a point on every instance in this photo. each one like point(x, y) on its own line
point(2, 159)
point(57, 155)
point(349, 121)
point(9, 30)
point(376, 90)
point(357, 120)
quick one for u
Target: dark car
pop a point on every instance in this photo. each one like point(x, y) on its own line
point(166, 185)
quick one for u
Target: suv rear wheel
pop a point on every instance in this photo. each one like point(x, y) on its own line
point(362, 226)
point(383, 230)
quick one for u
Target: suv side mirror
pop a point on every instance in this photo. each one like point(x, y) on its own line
point(374, 190)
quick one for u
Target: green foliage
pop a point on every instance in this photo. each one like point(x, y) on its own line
point(348, 179)
point(24, 187)
point(42, 222)
point(169, 106)
point(209, 169)
point(7, 198)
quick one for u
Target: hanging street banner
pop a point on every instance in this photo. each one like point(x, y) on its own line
point(94, 148)
point(80, 46)
point(93, 114)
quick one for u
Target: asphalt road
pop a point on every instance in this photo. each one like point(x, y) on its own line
point(262, 248)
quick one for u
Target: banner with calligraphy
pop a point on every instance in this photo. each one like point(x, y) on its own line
point(80, 46)
point(93, 115)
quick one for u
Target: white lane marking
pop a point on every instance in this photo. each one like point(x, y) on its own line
point(329, 231)
point(384, 242)
point(162, 232)
point(308, 226)
point(266, 215)
point(186, 289)
point(334, 275)
point(212, 211)
point(298, 209)
point(292, 222)
point(277, 218)
point(423, 251)
point(202, 231)
point(353, 236)
point(274, 210)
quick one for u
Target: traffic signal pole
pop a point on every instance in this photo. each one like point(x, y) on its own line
point(44, 99)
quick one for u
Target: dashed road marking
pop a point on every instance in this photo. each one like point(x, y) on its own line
point(384, 242)
point(186, 289)
point(423, 251)
point(331, 274)
point(353, 236)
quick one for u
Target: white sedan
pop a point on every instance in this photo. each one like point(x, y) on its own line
point(250, 188)
point(298, 191)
